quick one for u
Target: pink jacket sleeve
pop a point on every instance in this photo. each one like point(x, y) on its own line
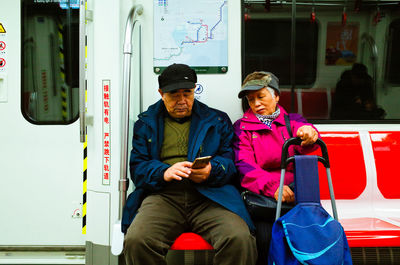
point(253, 177)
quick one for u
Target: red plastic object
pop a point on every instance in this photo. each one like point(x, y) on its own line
point(190, 241)
point(371, 232)
point(346, 157)
point(344, 18)
point(386, 146)
point(377, 18)
point(312, 17)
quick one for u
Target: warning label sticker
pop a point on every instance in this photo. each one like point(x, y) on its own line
point(2, 29)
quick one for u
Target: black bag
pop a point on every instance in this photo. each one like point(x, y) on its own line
point(261, 207)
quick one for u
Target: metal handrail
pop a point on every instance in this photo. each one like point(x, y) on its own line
point(136, 10)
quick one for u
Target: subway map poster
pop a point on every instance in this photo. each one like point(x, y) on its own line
point(191, 32)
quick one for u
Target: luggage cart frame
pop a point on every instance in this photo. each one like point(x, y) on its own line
point(286, 160)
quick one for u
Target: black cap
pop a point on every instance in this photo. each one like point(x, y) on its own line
point(177, 76)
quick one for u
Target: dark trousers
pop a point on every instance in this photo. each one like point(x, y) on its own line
point(263, 237)
point(163, 216)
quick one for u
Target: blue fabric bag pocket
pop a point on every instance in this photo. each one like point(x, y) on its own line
point(308, 235)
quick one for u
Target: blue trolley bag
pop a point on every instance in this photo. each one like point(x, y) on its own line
point(307, 234)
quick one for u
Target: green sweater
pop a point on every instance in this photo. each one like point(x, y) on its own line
point(176, 139)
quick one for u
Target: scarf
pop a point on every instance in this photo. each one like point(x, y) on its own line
point(268, 119)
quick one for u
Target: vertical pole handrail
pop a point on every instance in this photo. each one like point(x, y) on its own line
point(293, 56)
point(136, 10)
point(82, 62)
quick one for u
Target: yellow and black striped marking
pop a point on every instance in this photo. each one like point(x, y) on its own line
point(64, 86)
point(84, 186)
point(84, 204)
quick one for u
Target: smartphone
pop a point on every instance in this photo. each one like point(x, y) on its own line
point(201, 162)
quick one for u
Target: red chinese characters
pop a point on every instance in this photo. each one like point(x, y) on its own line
point(106, 133)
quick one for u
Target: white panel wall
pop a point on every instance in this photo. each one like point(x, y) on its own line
point(104, 62)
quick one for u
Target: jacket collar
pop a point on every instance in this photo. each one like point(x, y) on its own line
point(202, 119)
point(250, 121)
point(200, 111)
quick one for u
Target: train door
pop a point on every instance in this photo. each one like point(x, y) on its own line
point(41, 154)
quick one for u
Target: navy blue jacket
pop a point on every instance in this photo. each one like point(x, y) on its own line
point(211, 133)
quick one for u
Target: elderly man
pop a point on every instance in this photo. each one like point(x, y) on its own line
point(171, 197)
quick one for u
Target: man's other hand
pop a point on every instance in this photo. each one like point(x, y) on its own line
point(178, 171)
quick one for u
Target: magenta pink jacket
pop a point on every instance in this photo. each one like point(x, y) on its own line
point(258, 151)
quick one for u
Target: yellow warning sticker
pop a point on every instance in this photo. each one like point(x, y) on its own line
point(2, 29)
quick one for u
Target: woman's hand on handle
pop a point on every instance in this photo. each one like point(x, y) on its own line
point(287, 194)
point(308, 134)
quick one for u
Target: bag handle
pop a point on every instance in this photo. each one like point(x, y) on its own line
point(287, 123)
point(324, 160)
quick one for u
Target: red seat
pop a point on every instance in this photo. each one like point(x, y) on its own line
point(386, 146)
point(347, 165)
point(190, 241)
point(371, 232)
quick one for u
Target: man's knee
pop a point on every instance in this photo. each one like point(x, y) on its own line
point(237, 247)
point(235, 237)
point(142, 248)
point(241, 237)
point(132, 242)
point(136, 241)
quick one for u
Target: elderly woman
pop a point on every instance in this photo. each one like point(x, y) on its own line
point(260, 134)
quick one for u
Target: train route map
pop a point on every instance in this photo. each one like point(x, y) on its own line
point(191, 32)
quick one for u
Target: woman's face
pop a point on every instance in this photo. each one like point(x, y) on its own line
point(262, 102)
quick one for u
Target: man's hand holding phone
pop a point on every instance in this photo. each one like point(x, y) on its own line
point(201, 169)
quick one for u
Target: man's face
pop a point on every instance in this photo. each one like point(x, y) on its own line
point(179, 102)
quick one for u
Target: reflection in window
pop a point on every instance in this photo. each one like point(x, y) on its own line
point(354, 96)
point(50, 74)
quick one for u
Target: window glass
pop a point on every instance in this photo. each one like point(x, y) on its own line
point(338, 59)
point(267, 46)
point(50, 52)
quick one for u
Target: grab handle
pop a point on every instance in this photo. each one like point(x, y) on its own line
point(136, 11)
point(297, 141)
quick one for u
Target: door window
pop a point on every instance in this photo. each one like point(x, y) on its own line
point(50, 65)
